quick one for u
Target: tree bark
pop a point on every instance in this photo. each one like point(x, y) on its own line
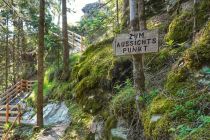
point(23, 49)
point(65, 42)
point(59, 14)
point(138, 68)
point(125, 13)
point(41, 64)
point(14, 45)
point(18, 50)
point(125, 7)
point(138, 71)
point(117, 11)
point(7, 53)
point(142, 18)
point(194, 18)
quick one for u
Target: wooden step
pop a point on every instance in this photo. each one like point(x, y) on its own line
point(10, 112)
point(11, 119)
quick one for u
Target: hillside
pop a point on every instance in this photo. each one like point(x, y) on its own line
point(98, 90)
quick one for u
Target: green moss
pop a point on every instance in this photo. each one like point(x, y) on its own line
point(92, 76)
point(160, 105)
point(180, 28)
point(161, 128)
point(176, 79)
point(110, 123)
point(74, 58)
point(193, 58)
point(163, 58)
point(198, 133)
point(80, 123)
point(124, 101)
point(85, 84)
point(156, 130)
point(202, 13)
point(199, 54)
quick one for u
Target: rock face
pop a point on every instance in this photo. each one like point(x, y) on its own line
point(155, 118)
point(185, 5)
point(54, 133)
point(97, 128)
point(120, 132)
point(53, 114)
point(89, 8)
point(204, 77)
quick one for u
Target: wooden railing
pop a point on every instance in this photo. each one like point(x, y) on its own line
point(13, 115)
point(9, 95)
point(11, 111)
point(8, 113)
point(76, 40)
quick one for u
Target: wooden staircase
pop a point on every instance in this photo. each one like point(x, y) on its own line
point(10, 109)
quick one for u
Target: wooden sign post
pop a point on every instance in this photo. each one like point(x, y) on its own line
point(138, 42)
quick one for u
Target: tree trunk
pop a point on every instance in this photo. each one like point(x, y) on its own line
point(13, 46)
point(23, 49)
point(18, 50)
point(65, 42)
point(138, 71)
point(141, 11)
point(125, 16)
point(125, 7)
point(41, 64)
point(117, 11)
point(195, 18)
point(59, 14)
point(7, 53)
point(13, 60)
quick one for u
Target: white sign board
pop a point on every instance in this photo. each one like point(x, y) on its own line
point(138, 42)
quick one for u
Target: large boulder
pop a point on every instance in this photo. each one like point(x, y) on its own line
point(54, 113)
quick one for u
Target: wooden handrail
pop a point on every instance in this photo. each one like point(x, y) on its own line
point(7, 97)
point(75, 40)
point(15, 89)
point(11, 88)
point(17, 119)
point(5, 137)
point(10, 106)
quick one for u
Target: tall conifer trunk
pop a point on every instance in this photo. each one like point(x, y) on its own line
point(7, 54)
point(125, 12)
point(41, 64)
point(65, 42)
point(117, 11)
point(14, 45)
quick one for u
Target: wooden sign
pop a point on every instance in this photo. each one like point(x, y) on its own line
point(136, 43)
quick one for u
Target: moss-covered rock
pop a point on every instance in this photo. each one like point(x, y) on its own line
point(193, 59)
point(202, 13)
point(199, 133)
point(199, 54)
point(124, 101)
point(160, 105)
point(157, 129)
point(180, 29)
point(95, 75)
point(110, 123)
